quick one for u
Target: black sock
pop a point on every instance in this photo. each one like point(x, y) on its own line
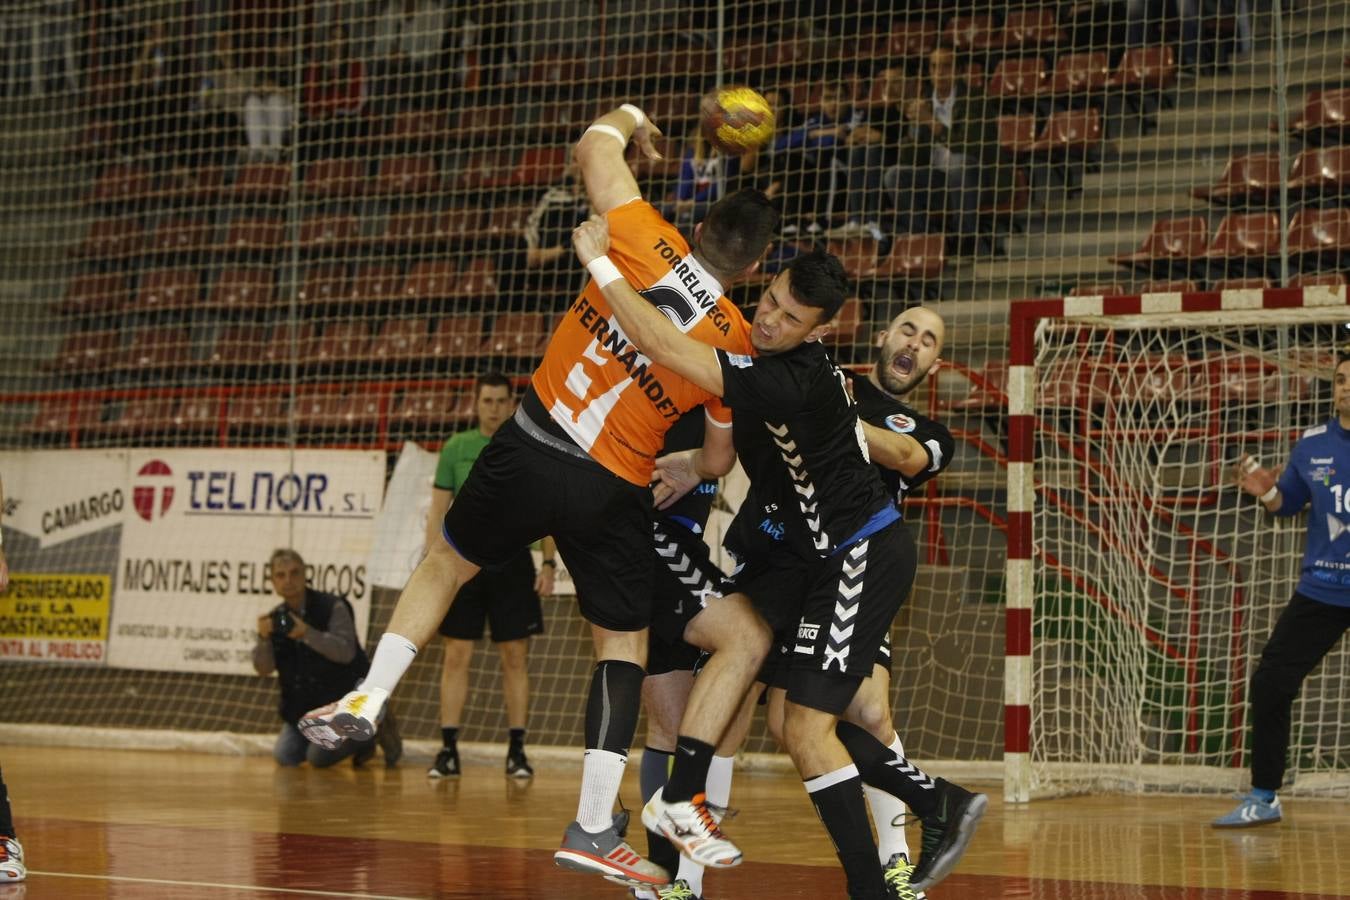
point(449, 737)
point(652, 775)
point(613, 705)
point(7, 815)
point(838, 799)
point(882, 768)
point(689, 773)
point(517, 740)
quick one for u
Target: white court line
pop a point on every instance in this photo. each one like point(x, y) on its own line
point(221, 885)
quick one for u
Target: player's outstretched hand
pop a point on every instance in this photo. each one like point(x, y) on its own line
point(674, 476)
point(590, 239)
point(1252, 478)
point(645, 138)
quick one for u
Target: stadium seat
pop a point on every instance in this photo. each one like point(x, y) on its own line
point(1017, 134)
point(437, 411)
point(1010, 204)
point(1320, 235)
point(429, 282)
point(967, 33)
point(253, 237)
point(913, 39)
point(518, 336)
point(913, 257)
point(85, 352)
point(476, 280)
point(261, 182)
point(858, 254)
point(416, 129)
point(112, 240)
point(122, 184)
point(243, 289)
point(165, 289)
point(557, 72)
point(560, 121)
point(327, 179)
point(400, 342)
point(1318, 279)
point(506, 222)
point(376, 283)
point(324, 285)
point(459, 226)
point(1158, 379)
point(197, 417)
point(483, 169)
point(1031, 29)
point(237, 346)
point(1071, 132)
point(318, 409)
point(483, 126)
point(140, 420)
point(199, 186)
point(1146, 69)
point(1019, 79)
point(342, 343)
point(258, 415)
point(90, 294)
point(536, 166)
point(407, 176)
point(180, 237)
point(848, 323)
point(1321, 172)
point(64, 418)
point(1169, 287)
point(156, 350)
point(328, 234)
point(1245, 237)
point(406, 232)
point(455, 338)
point(362, 412)
point(1323, 118)
point(1248, 178)
point(285, 342)
point(1080, 77)
point(1170, 244)
point(1240, 284)
point(1111, 289)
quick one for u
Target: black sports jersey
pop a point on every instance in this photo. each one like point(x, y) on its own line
point(798, 436)
point(693, 508)
point(876, 407)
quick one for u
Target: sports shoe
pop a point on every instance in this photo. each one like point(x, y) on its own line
point(11, 860)
point(679, 890)
point(607, 853)
point(354, 717)
point(896, 873)
point(947, 833)
point(517, 765)
point(446, 764)
point(1252, 810)
point(693, 828)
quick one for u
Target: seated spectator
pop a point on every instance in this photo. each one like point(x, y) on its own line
point(335, 97)
point(873, 147)
point(705, 176)
point(269, 107)
point(408, 38)
point(157, 99)
point(309, 640)
point(805, 159)
point(536, 264)
point(224, 86)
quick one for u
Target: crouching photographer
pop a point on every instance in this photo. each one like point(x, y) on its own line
point(309, 640)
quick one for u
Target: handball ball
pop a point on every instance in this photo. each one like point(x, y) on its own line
point(735, 119)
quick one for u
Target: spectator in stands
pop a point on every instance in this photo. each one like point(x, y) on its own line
point(535, 265)
point(309, 640)
point(805, 159)
point(151, 90)
point(408, 39)
point(879, 143)
point(269, 107)
point(705, 176)
point(1141, 14)
point(335, 98)
point(224, 86)
point(506, 597)
point(956, 147)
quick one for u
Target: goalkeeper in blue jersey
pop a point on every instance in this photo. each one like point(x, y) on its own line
point(1318, 474)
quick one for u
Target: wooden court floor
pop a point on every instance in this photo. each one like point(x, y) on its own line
point(137, 824)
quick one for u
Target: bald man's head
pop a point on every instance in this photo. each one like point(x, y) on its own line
point(908, 350)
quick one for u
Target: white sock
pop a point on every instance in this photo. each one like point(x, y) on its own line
point(887, 809)
point(601, 774)
point(393, 655)
point(718, 791)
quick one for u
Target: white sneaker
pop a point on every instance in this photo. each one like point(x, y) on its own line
point(354, 717)
point(693, 829)
point(11, 860)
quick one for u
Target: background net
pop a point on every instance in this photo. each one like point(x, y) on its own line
point(255, 223)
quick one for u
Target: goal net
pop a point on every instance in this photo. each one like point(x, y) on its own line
point(1147, 582)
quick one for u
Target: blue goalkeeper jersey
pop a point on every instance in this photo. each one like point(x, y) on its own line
point(1319, 473)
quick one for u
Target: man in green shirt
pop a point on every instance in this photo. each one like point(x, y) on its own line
point(507, 597)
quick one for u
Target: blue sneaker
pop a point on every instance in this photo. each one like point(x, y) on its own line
point(1251, 811)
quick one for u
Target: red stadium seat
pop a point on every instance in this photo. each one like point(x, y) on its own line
point(1030, 29)
point(1080, 75)
point(318, 409)
point(258, 413)
point(913, 39)
point(1246, 236)
point(913, 257)
point(63, 417)
point(848, 323)
point(1241, 284)
point(361, 412)
point(408, 231)
point(1071, 132)
point(1023, 78)
point(506, 222)
point(1324, 116)
point(407, 176)
point(517, 335)
point(329, 234)
point(430, 281)
point(1320, 172)
point(988, 388)
point(163, 289)
point(180, 236)
point(156, 350)
point(484, 169)
point(85, 352)
point(456, 337)
point(253, 237)
point(400, 341)
point(1250, 178)
point(418, 129)
point(1017, 134)
point(263, 182)
point(858, 254)
point(123, 183)
point(476, 280)
point(324, 286)
point(112, 240)
point(483, 126)
point(1318, 279)
point(1146, 68)
point(197, 416)
point(1247, 380)
point(243, 289)
point(1169, 242)
point(376, 283)
point(335, 178)
point(238, 346)
point(1160, 379)
point(1169, 287)
point(971, 33)
point(285, 343)
point(462, 225)
point(1321, 233)
point(140, 419)
point(94, 294)
point(441, 411)
point(558, 72)
point(1076, 384)
point(536, 166)
point(341, 343)
point(1110, 289)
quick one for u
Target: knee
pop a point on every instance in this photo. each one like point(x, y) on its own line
point(874, 714)
point(1267, 685)
point(513, 656)
point(776, 729)
point(457, 656)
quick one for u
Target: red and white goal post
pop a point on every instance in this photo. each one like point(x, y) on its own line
point(1141, 583)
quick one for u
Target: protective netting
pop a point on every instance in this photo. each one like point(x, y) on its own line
point(1157, 579)
point(255, 224)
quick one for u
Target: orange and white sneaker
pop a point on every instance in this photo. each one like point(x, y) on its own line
point(692, 826)
point(353, 718)
point(11, 860)
point(607, 853)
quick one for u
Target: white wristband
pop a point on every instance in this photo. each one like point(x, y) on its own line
point(611, 131)
point(1270, 495)
point(603, 271)
point(639, 117)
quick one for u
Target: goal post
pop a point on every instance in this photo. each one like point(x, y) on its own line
point(1141, 584)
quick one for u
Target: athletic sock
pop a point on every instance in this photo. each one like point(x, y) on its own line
point(838, 799)
point(611, 719)
point(449, 736)
point(689, 773)
point(652, 774)
point(719, 794)
point(516, 741)
point(392, 657)
point(888, 815)
point(885, 769)
point(601, 774)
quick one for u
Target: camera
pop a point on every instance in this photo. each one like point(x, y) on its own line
point(282, 621)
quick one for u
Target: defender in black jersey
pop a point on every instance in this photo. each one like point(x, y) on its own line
point(799, 439)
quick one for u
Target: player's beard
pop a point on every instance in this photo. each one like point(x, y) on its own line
point(891, 383)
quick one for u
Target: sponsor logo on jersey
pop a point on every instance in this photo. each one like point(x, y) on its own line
point(740, 360)
point(807, 632)
point(1322, 461)
point(1322, 475)
point(901, 423)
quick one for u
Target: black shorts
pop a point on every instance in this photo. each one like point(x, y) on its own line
point(502, 597)
point(521, 490)
point(844, 606)
point(686, 579)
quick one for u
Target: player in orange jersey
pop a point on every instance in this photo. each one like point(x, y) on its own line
point(574, 462)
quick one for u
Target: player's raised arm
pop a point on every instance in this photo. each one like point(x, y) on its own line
point(648, 328)
point(899, 452)
point(600, 153)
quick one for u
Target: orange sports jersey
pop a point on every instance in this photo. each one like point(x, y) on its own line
point(614, 401)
